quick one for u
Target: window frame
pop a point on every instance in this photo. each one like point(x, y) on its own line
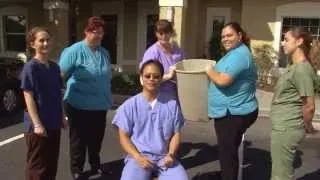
point(11, 11)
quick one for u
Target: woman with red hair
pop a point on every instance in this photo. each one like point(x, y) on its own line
point(86, 68)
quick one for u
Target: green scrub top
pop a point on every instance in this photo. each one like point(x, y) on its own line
point(286, 108)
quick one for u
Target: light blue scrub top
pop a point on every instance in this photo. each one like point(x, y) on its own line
point(239, 97)
point(89, 77)
point(150, 130)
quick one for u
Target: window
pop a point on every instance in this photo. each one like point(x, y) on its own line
point(310, 24)
point(217, 24)
point(215, 49)
point(151, 22)
point(14, 33)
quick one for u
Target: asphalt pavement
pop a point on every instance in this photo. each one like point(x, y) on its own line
point(198, 153)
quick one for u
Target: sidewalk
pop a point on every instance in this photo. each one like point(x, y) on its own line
point(265, 99)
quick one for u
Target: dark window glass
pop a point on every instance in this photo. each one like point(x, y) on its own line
point(14, 33)
point(287, 21)
point(314, 22)
point(15, 24)
point(151, 36)
point(15, 43)
point(305, 22)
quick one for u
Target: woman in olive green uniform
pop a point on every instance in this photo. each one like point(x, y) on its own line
point(293, 104)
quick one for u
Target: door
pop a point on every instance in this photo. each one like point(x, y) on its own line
point(110, 35)
point(151, 22)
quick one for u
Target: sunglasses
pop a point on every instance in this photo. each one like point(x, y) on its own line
point(154, 76)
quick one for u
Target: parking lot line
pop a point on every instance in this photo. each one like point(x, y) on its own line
point(7, 141)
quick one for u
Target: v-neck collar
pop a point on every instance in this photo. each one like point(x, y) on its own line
point(95, 55)
point(164, 51)
point(147, 104)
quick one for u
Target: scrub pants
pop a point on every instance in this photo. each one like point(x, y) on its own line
point(284, 144)
point(229, 131)
point(86, 132)
point(132, 170)
point(42, 155)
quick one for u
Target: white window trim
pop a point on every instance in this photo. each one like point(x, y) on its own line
point(10, 11)
point(211, 13)
point(300, 10)
point(144, 8)
point(109, 8)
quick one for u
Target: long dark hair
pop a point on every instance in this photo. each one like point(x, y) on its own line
point(237, 28)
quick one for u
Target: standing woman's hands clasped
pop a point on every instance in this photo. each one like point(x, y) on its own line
point(38, 129)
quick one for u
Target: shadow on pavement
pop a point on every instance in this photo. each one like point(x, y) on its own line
point(112, 171)
point(206, 153)
point(257, 163)
point(311, 176)
point(11, 120)
point(208, 176)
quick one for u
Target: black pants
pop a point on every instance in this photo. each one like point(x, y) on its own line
point(229, 130)
point(42, 155)
point(86, 133)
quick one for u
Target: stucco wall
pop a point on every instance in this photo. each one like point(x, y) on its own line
point(259, 19)
point(196, 22)
point(130, 31)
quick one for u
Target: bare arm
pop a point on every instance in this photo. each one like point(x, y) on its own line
point(173, 149)
point(308, 112)
point(170, 74)
point(33, 112)
point(220, 79)
point(174, 144)
point(131, 149)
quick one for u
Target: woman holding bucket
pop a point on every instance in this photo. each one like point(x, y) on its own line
point(167, 53)
point(232, 102)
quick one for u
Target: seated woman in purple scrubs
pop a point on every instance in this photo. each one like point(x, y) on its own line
point(149, 125)
point(166, 53)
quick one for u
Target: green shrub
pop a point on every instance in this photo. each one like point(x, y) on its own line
point(127, 84)
point(263, 57)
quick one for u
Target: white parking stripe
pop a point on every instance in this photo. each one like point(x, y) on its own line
point(7, 141)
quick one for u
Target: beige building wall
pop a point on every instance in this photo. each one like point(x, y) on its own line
point(259, 19)
point(130, 31)
point(196, 23)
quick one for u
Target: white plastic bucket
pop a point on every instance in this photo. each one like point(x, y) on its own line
point(192, 84)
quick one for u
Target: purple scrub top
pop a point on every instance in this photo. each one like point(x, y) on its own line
point(155, 52)
point(150, 129)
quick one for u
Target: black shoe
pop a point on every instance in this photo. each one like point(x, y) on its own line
point(96, 171)
point(77, 176)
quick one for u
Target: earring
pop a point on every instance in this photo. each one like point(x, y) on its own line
point(141, 81)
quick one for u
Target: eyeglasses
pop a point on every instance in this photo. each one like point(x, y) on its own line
point(154, 76)
point(97, 32)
